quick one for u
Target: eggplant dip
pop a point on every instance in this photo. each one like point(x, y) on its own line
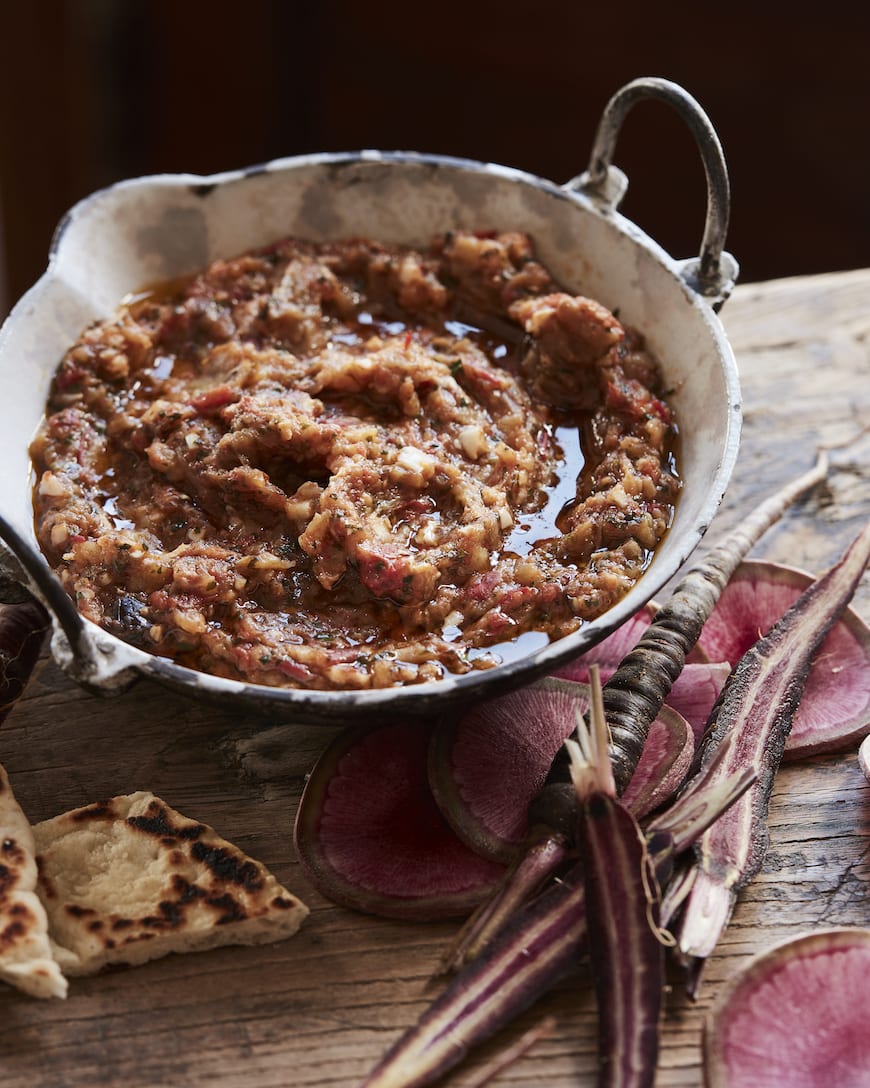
point(353, 465)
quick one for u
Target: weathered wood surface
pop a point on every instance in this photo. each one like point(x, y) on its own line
point(318, 1010)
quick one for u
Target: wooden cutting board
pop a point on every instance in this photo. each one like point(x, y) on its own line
point(319, 1009)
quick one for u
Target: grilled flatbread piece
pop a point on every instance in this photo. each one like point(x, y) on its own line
point(130, 879)
point(26, 960)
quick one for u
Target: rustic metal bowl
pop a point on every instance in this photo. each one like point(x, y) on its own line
point(156, 228)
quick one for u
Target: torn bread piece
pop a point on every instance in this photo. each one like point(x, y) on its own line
point(130, 879)
point(26, 960)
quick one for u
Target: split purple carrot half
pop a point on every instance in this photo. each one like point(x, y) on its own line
point(622, 913)
point(794, 1017)
point(625, 949)
point(534, 951)
point(757, 706)
point(834, 712)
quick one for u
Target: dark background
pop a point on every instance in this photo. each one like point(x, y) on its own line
point(96, 90)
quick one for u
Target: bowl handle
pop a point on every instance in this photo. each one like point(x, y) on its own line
point(95, 667)
point(713, 272)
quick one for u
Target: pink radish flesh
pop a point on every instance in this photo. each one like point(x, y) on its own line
point(834, 711)
point(695, 692)
point(371, 837)
point(610, 651)
point(486, 768)
point(663, 766)
point(796, 1017)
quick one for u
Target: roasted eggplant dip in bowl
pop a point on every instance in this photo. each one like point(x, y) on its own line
point(350, 465)
point(352, 431)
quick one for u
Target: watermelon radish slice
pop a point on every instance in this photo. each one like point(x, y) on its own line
point(667, 756)
point(864, 758)
point(487, 767)
point(695, 692)
point(834, 712)
point(370, 836)
point(610, 651)
point(795, 1017)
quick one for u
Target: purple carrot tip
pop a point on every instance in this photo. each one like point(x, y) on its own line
point(513, 1053)
point(537, 949)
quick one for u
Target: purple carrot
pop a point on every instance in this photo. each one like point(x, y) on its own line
point(757, 706)
point(693, 692)
point(23, 625)
point(636, 692)
point(622, 912)
point(625, 949)
point(531, 954)
point(533, 868)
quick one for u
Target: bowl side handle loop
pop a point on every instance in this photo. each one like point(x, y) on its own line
point(713, 272)
point(90, 666)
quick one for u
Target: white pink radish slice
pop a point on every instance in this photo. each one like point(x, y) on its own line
point(795, 1017)
point(864, 758)
point(834, 712)
point(370, 836)
point(487, 767)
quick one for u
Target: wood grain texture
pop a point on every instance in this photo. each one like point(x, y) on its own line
point(316, 1011)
